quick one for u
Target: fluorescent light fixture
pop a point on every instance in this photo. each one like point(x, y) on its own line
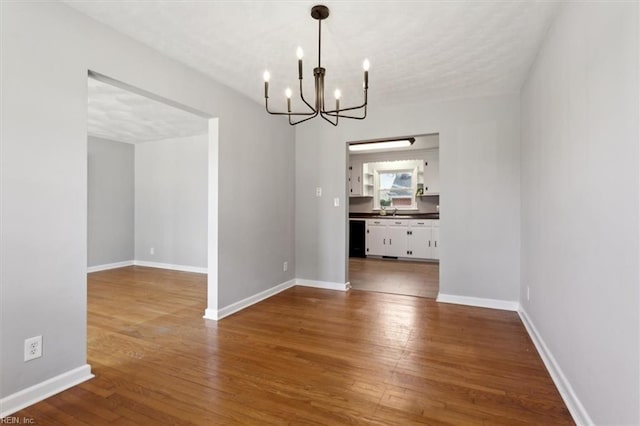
point(383, 144)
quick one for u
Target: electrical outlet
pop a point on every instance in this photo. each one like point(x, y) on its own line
point(32, 348)
point(527, 293)
point(336, 202)
point(285, 266)
point(318, 192)
point(152, 251)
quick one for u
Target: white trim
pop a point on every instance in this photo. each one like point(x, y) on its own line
point(108, 266)
point(43, 390)
point(505, 305)
point(212, 220)
point(577, 410)
point(245, 303)
point(323, 284)
point(183, 268)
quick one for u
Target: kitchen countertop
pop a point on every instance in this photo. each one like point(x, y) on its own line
point(397, 216)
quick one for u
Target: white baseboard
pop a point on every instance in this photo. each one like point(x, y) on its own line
point(577, 410)
point(183, 268)
point(323, 284)
point(43, 390)
point(108, 266)
point(212, 314)
point(504, 305)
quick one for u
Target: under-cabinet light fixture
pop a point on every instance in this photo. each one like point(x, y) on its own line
point(382, 144)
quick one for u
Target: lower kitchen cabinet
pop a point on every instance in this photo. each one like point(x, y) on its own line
point(413, 239)
point(423, 239)
point(387, 237)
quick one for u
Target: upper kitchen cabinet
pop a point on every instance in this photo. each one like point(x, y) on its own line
point(360, 178)
point(355, 178)
point(432, 172)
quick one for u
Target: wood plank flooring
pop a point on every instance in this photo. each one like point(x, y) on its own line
point(410, 278)
point(305, 356)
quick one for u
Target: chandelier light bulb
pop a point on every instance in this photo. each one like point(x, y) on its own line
point(288, 93)
point(365, 65)
point(266, 76)
point(337, 94)
point(299, 52)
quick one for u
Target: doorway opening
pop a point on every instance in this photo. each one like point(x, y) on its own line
point(394, 212)
point(152, 190)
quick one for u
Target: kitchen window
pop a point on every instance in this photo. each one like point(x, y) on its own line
point(395, 184)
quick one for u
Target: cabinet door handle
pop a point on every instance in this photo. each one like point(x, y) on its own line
point(358, 179)
point(384, 241)
point(435, 244)
point(429, 243)
point(389, 241)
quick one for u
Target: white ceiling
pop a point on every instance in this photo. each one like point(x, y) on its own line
point(419, 50)
point(124, 116)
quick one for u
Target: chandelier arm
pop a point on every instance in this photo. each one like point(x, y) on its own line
point(323, 115)
point(334, 111)
point(314, 115)
point(338, 111)
point(266, 104)
point(351, 116)
point(304, 100)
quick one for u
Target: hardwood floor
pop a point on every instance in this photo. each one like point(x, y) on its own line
point(395, 276)
point(304, 356)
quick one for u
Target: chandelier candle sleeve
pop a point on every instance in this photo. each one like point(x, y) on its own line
point(318, 107)
point(299, 54)
point(266, 77)
point(365, 66)
point(288, 95)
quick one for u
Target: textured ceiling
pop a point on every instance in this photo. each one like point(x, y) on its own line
point(124, 116)
point(419, 50)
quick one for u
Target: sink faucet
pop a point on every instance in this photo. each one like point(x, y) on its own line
point(395, 210)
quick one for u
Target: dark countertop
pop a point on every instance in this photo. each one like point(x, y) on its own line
point(397, 216)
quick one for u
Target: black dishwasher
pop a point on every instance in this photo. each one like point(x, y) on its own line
point(357, 240)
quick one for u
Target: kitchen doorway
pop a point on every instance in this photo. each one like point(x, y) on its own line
point(393, 222)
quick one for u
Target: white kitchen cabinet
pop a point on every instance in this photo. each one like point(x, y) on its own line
point(423, 239)
point(355, 178)
point(418, 239)
point(412, 239)
point(435, 240)
point(396, 244)
point(432, 173)
point(386, 237)
point(376, 237)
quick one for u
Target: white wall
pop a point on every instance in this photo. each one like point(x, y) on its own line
point(580, 206)
point(110, 202)
point(479, 181)
point(171, 201)
point(47, 49)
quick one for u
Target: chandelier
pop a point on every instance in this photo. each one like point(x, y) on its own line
point(318, 13)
